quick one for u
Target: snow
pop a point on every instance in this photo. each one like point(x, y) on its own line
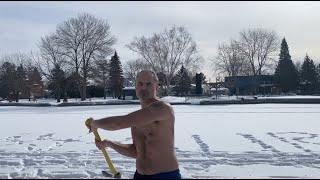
point(294, 97)
point(170, 99)
point(173, 99)
point(212, 141)
point(71, 100)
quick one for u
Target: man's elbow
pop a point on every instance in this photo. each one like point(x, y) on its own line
point(134, 155)
point(133, 151)
point(119, 124)
point(115, 127)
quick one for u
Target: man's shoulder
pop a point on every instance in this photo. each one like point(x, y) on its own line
point(161, 104)
point(164, 107)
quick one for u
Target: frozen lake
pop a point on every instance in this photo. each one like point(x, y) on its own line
point(225, 141)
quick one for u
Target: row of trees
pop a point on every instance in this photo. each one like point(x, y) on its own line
point(80, 47)
point(107, 75)
point(18, 78)
point(18, 81)
point(164, 53)
point(254, 53)
point(290, 77)
point(77, 54)
point(24, 80)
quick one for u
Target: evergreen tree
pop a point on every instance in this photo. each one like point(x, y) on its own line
point(21, 82)
point(8, 76)
point(72, 86)
point(286, 74)
point(116, 76)
point(183, 85)
point(57, 82)
point(202, 77)
point(318, 78)
point(308, 76)
point(199, 80)
point(35, 77)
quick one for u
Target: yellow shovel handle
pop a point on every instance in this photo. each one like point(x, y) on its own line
point(105, 153)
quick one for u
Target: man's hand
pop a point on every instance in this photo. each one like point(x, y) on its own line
point(90, 125)
point(101, 144)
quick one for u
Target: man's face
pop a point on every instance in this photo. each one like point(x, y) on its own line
point(146, 86)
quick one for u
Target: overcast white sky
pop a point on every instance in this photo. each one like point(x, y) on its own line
point(22, 24)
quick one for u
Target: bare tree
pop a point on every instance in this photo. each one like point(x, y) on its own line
point(17, 59)
point(167, 51)
point(133, 67)
point(259, 46)
point(50, 55)
point(82, 39)
point(100, 73)
point(52, 64)
point(230, 60)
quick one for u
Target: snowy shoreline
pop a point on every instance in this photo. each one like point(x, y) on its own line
point(173, 101)
point(237, 141)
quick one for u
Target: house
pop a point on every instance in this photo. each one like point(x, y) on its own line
point(129, 93)
point(219, 91)
point(249, 85)
point(36, 91)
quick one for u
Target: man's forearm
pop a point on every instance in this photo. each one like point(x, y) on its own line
point(124, 149)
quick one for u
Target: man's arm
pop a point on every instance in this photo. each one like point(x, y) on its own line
point(157, 111)
point(124, 149)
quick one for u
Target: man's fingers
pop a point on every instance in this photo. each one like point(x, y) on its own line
point(99, 144)
point(89, 127)
point(88, 123)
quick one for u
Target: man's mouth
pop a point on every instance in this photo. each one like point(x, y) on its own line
point(143, 93)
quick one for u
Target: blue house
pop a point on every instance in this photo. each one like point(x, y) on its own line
point(129, 93)
point(250, 85)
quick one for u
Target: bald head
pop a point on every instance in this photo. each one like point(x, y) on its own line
point(146, 85)
point(148, 73)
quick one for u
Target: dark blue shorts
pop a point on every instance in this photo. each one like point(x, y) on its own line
point(167, 175)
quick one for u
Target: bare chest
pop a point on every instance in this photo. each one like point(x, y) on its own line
point(148, 132)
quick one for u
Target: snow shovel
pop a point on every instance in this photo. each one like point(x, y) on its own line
point(114, 172)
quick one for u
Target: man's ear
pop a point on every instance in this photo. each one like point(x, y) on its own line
point(157, 89)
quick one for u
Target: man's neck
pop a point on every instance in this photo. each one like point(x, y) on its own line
point(147, 102)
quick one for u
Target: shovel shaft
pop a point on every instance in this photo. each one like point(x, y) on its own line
point(104, 151)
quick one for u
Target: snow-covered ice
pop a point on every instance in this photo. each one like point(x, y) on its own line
point(214, 141)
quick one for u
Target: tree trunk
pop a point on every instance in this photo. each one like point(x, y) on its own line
point(58, 95)
point(83, 89)
point(17, 96)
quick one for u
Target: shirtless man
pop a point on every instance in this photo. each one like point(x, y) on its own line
point(152, 130)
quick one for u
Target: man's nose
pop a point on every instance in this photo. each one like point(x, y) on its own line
point(144, 86)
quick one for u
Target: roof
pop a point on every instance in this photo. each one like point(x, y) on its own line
point(129, 88)
point(219, 89)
